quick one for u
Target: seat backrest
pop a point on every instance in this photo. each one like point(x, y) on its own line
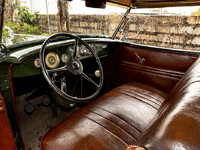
point(177, 125)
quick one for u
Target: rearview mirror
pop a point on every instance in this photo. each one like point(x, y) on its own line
point(95, 3)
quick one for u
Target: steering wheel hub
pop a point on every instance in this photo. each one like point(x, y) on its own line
point(74, 66)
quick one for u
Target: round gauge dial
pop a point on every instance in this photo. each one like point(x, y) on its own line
point(82, 50)
point(37, 62)
point(64, 58)
point(52, 60)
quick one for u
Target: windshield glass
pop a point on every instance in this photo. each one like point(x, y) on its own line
point(176, 28)
point(27, 20)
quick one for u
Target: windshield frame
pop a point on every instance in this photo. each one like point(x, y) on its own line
point(2, 8)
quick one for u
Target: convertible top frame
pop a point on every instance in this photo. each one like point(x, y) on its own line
point(155, 3)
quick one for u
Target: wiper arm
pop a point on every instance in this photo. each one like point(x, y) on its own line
point(121, 23)
point(123, 32)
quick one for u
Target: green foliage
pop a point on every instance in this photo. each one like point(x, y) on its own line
point(9, 10)
point(23, 28)
point(45, 34)
point(25, 16)
point(196, 13)
point(165, 11)
point(5, 33)
point(25, 23)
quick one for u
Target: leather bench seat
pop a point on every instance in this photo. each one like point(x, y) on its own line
point(135, 114)
point(177, 125)
point(113, 121)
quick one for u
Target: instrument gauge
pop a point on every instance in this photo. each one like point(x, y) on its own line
point(52, 60)
point(37, 62)
point(64, 58)
point(82, 50)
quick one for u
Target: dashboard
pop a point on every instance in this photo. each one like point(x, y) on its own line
point(57, 56)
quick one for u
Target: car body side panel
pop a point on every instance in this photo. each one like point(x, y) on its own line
point(6, 136)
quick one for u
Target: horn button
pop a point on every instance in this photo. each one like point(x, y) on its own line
point(74, 66)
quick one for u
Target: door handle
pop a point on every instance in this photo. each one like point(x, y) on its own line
point(142, 60)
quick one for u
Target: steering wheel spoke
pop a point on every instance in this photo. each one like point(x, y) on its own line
point(81, 87)
point(57, 69)
point(76, 48)
point(89, 79)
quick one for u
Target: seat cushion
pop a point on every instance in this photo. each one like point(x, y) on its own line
point(112, 121)
point(177, 127)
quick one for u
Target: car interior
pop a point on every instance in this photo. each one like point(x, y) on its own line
point(82, 92)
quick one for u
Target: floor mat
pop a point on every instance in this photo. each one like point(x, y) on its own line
point(34, 126)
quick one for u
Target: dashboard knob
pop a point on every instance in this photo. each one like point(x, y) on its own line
point(97, 73)
point(83, 52)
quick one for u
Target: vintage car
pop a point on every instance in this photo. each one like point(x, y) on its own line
point(95, 92)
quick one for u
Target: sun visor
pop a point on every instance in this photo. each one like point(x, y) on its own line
point(95, 3)
point(141, 3)
point(117, 5)
point(120, 3)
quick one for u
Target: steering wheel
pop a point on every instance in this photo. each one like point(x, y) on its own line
point(74, 67)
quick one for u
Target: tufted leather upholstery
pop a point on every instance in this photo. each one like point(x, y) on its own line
point(135, 113)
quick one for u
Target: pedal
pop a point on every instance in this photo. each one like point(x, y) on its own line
point(46, 101)
point(29, 108)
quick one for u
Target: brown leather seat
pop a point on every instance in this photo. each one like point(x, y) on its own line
point(135, 113)
point(113, 121)
point(177, 127)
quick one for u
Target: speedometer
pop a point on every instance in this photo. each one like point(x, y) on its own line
point(52, 60)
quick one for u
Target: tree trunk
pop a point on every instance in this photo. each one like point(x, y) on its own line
point(17, 2)
point(63, 15)
point(9, 10)
point(66, 14)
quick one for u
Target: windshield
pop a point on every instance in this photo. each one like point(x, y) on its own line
point(27, 20)
point(31, 20)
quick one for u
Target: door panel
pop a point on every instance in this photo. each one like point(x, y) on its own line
point(6, 136)
point(161, 69)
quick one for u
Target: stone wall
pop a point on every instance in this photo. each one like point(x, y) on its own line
point(54, 23)
point(86, 24)
point(165, 31)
